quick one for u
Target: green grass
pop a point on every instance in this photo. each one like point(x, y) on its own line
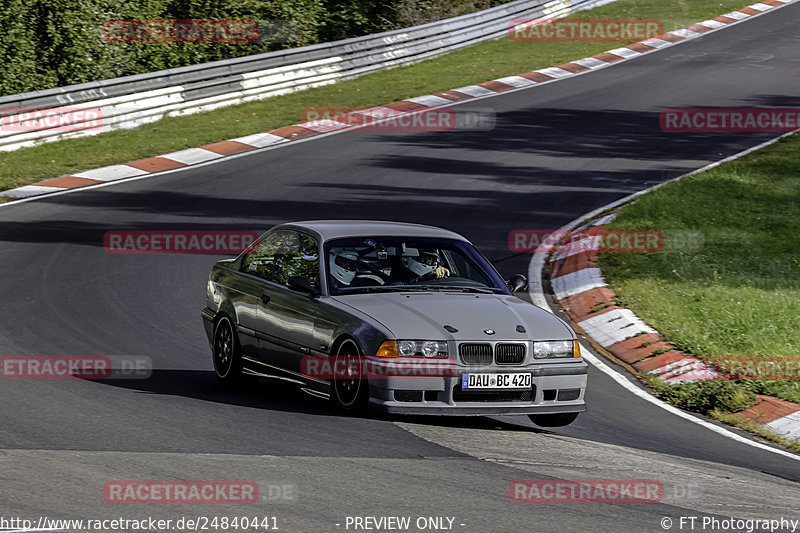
point(739, 296)
point(787, 390)
point(475, 64)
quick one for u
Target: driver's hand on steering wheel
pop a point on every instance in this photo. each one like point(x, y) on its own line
point(440, 272)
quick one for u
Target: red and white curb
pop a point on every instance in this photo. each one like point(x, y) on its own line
point(583, 294)
point(780, 416)
point(203, 154)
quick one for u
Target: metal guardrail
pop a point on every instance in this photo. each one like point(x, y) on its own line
point(131, 101)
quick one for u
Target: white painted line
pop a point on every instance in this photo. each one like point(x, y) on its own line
point(475, 91)
point(644, 395)
point(536, 293)
point(535, 288)
point(111, 173)
point(591, 62)
point(614, 326)
point(430, 100)
point(602, 221)
point(260, 140)
point(555, 72)
point(760, 6)
point(577, 282)
point(471, 90)
point(788, 426)
point(191, 156)
point(29, 190)
point(516, 81)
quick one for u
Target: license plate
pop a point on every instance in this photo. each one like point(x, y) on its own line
point(496, 381)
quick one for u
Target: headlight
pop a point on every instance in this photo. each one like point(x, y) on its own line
point(545, 349)
point(417, 348)
point(433, 348)
point(407, 348)
point(211, 291)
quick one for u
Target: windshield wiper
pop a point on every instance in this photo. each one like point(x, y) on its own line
point(376, 288)
point(418, 288)
point(482, 290)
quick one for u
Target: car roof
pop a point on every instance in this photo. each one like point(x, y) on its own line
point(334, 229)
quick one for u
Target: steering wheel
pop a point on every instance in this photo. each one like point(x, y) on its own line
point(374, 270)
point(428, 276)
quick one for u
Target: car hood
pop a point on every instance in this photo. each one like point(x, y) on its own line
point(424, 315)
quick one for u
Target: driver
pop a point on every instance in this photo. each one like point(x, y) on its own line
point(426, 265)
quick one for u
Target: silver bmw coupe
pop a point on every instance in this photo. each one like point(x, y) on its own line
point(398, 317)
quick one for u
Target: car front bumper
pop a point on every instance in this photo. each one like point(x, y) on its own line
point(556, 388)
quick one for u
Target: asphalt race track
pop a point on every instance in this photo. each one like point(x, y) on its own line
point(558, 151)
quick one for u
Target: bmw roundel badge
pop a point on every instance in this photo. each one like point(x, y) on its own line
point(489, 331)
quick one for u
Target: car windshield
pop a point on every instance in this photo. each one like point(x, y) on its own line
point(384, 264)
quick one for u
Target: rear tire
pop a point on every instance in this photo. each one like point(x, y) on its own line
point(349, 393)
point(227, 353)
point(553, 420)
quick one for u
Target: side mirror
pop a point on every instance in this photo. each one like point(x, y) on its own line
point(300, 284)
point(517, 283)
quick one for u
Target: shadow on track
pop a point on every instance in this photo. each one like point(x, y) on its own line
point(275, 395)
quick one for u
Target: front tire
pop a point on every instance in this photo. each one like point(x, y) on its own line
point(553, 420)
point(350, 392)
point(227, 353)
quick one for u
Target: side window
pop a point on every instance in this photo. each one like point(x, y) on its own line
point(283, 254)
point(266, 256)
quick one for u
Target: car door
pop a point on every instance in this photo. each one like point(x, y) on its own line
point(255, 271)
point(285, 317)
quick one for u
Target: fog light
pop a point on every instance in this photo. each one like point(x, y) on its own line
point(408, 395)
point(566, 395)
